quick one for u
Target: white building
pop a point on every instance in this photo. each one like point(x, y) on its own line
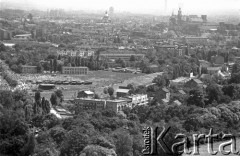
point(139, 99)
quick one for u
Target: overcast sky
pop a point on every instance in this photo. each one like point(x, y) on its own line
point(141, 6)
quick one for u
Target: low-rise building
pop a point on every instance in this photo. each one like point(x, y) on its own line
point(90, 104)
point(122, 92)
point(101, 104)
point(75, 70)
point(115, 55)
point(23, 37)
point(197, 40)
point(117, 105)
point(74, 53)
point(179, 81)
point(214, 70)
point(139, 99)
point(29, 69)
point(85, 94)
point(5, 34)
point(193, 83)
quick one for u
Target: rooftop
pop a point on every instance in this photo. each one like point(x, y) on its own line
point(122, 90)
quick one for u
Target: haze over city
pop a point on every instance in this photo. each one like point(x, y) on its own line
point(156, 7)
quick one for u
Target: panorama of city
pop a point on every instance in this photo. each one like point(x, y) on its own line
point(109, 81)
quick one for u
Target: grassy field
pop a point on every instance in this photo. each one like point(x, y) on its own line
point(102, 79)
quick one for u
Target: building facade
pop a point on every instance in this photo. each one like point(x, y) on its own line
point(196, 40)
point(29, 69)
point(74, 53)
point(139, 99)
point(123, 56)
point(90, 104)
point(75, 70)
point(100, 104)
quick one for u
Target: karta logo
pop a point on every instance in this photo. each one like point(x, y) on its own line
point(153, 140)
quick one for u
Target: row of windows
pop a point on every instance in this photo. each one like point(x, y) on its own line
point(75, 69)
point(67, 72)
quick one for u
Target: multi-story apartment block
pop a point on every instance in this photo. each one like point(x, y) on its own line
point(73, 53)
point(121, 55)
point(75, 70)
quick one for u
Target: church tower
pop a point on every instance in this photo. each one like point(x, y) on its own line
point(179, 16)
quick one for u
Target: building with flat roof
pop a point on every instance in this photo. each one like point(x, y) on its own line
point(24, 37)
point(139, 99)
point(101, 104)
point(75, 70)
point(121, 55)
point(196, 40)
point(90, 104)
point(29, 69)
point(85, 94)
point(122, 92)
point(117, 105)
point(5, 34)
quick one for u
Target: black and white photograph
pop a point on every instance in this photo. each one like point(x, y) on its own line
point(119, 77)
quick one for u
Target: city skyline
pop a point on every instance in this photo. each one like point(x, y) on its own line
point(156, 7)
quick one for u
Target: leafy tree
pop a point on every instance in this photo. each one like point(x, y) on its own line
point(38, 97)
point(236, 68)
point(6, 99)
point(96, 96)
point(196, 97)
point(235, 78)
point(74, 143)
point(14, 132)
point(124, 144)
point(2, 47)
point(29, 147)
point(160, 81)
point(40, 68)
point(55, 65)
point(132, 58)
point(59, 94)
point(53, 99)
point(110, 91)
point(213, 93)
point(105, 90)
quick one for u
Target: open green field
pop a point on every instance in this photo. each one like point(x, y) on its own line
point(101, 79)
